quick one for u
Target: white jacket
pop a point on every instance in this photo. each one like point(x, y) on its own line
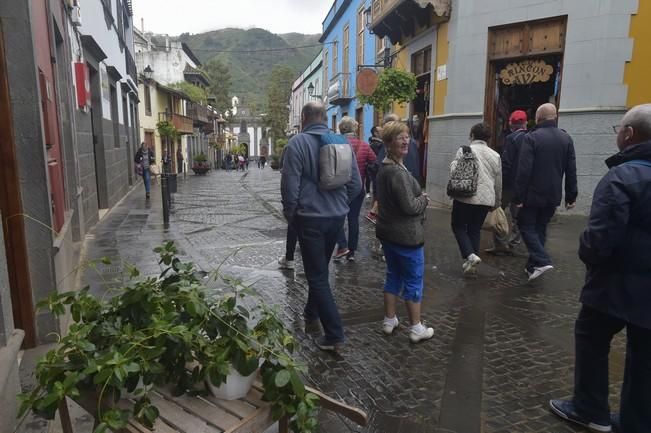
point(489, 182)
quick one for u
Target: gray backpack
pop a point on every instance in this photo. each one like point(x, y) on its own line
point(464, 177)
point(335, 161)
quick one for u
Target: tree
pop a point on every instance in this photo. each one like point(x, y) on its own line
point(394, 85)
point(195, 93)
point(220, 83)
point(278, 93)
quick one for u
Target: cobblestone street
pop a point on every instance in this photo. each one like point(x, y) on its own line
point(502, 347)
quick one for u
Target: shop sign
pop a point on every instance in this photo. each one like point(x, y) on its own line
point(526, 72)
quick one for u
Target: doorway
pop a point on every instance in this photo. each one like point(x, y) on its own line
point(97, 131)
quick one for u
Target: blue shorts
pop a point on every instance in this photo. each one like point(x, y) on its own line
point(405, 271)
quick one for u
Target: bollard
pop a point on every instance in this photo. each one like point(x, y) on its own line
point(164, 187)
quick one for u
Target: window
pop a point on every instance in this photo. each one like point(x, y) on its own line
point(147, 100)
point(421, 61)
point(335, 57)
point(326, 78)
point(380, 45)
point(360, 36)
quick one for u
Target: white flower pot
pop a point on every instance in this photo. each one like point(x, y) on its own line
point(236, 386)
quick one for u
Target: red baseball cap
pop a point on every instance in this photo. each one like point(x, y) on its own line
point(518, 116)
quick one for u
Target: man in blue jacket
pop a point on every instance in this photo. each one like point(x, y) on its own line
point(317, 216)
point(547, 154)
point(617, 293)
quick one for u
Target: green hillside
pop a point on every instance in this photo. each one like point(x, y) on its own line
point(250, 71)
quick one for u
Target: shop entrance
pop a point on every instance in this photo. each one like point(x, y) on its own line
point(524, 85)
point(525, 68)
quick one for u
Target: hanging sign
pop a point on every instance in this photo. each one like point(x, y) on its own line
point(526, 72)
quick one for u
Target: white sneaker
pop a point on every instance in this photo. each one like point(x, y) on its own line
point(389, 325)
point(538, 271)
point(420, 333)
point(285, 264)
point(471, 261)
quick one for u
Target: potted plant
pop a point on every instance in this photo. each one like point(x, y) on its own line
point(165, 331)
point(200, 165)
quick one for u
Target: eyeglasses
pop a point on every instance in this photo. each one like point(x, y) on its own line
point(617, 128)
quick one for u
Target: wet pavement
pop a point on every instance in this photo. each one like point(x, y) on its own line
point(502, 347)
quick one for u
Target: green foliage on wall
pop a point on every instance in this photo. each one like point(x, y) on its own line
point(394, 85)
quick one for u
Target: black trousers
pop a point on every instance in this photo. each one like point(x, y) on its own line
point(467, 220)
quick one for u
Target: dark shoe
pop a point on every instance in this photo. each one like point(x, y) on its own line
point(372, 217)
point(328, 346)
point(350, 257)
point(499, 251)
point(146, 195)
point(313, 326)
point(565, 409)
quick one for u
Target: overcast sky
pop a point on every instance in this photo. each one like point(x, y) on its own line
point(197, 16)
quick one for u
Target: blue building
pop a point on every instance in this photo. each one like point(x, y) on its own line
point(346, 44)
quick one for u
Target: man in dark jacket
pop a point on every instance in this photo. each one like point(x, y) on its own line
point(510, 155)
point(546, 155)
point(317, 216)
point(617, 290)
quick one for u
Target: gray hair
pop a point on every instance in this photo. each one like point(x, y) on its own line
point(348, 125)
point(639, 118)
point(314, 111)
point(391, 117)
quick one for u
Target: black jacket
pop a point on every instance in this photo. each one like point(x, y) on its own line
point(546, 155)
point(510, 157)
point(616, 246)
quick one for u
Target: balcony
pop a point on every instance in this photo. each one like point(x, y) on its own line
point(183, 124)
point(339, 91)
point(217, 141)
point(198, 113)
point(398, 19)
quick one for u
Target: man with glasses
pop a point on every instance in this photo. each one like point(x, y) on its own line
point(617, 290)
point(547, 155)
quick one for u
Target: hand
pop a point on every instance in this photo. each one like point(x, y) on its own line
point(519, 205)
point(426, 196)
point(569, 206)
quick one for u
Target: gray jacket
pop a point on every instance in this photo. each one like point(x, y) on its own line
point(401, 206)
point(300, 177)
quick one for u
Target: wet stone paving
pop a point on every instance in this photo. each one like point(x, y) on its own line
point(502, 347)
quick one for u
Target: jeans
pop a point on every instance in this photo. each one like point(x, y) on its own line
point(290, 244)
point(405, 271)
point(467, 220)
point(146, 177)
point(593, 333)
point(317, 237)
point(353, 225)
point(532, 222)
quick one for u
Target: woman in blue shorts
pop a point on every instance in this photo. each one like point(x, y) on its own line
point(400, 228)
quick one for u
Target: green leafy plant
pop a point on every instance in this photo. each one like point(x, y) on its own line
point(394, 85)
point(165, 331)
point(166, 129)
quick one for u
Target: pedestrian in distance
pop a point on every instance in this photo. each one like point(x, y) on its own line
point(377, 145)
point(504, 244)
point(364, 155)
point(546, 156)
point(400, 228)
point(469, 213)
point(317, 214)
point(143, 159)
point(411, 161)
point(617, 289)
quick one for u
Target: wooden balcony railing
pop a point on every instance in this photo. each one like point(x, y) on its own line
point(183, 124)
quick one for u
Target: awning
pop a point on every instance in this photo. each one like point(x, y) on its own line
point(399, 18)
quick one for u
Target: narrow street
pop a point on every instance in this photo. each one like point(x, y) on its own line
point(502, 347)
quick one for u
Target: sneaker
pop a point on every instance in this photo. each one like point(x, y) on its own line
point(146, 195)
point(390, 325)
point(283, 263)
point(372, 217)
point(420, 333)
point(538, 271)
point(341, 253)
point(350, 257)
point(565, 409)
point(470, 263)
point(328, 346)
point(368, 195)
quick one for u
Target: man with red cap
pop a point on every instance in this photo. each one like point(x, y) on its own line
point(510, 155)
